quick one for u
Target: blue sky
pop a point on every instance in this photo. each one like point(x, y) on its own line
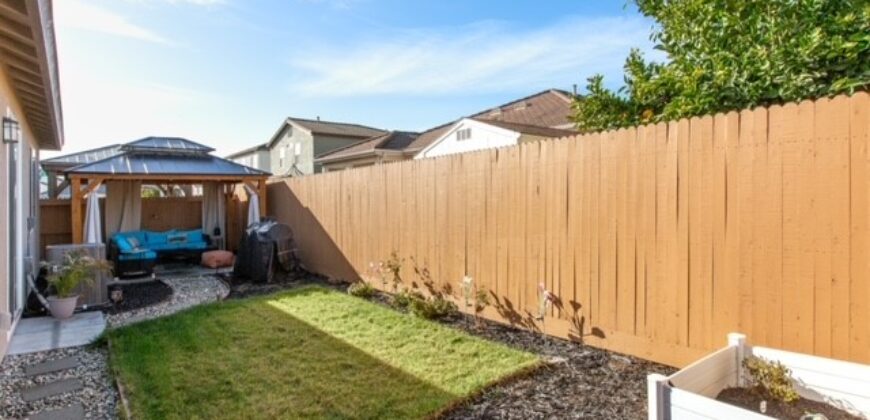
point(226, 72)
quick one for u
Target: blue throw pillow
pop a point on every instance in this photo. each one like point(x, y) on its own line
point(123, 244)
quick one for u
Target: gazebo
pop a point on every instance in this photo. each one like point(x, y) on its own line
point(158, 161)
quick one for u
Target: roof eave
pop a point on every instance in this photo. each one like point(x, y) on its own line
point(31, 65)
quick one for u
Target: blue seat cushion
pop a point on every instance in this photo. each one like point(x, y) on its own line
point(140, 255)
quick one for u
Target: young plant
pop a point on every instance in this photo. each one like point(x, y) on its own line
point(361, 289)
point(545, 301)
point(771, 379)
point(75, 269)
point(467, 288)
point(481, 301)
point(376, 270)
point(474, 298)
point(393, 266)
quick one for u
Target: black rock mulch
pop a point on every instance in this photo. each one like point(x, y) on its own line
point(139, 295)
point(242, 288)
point(578, 382)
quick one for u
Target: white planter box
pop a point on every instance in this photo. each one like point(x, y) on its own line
point(691, 392)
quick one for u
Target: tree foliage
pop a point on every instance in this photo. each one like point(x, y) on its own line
point(729, 54)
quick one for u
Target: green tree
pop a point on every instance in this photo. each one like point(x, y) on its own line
point(732, 54)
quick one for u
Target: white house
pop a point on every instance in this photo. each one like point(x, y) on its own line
point(470, 134)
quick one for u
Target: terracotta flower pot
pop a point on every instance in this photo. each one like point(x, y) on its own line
point(62, 308)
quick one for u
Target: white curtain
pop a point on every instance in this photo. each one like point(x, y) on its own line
point(93, 221)
point(253, 207)
point(123, 206)
point(213, 208)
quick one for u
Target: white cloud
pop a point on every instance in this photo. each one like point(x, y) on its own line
point(485, 57)
point(76, 14)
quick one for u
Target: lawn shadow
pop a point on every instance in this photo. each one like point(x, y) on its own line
point(241, 361)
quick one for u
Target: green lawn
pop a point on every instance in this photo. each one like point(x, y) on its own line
point(306, 353)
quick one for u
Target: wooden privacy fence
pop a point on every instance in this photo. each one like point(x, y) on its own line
point(657, 240)
point(159, 214)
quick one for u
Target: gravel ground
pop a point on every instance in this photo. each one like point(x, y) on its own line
point(98, 395)
point(581, 382)
point(187, 292)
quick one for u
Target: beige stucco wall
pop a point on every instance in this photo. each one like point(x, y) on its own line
point(9, 107)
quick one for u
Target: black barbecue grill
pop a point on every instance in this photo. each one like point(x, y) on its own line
point(265, 248)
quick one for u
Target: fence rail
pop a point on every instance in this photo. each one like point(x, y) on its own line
point(657, 240)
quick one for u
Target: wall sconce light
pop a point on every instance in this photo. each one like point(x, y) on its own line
point(11, 131)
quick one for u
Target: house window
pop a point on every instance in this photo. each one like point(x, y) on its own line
point(283, 154)
point(463, 134)
point(297, 149)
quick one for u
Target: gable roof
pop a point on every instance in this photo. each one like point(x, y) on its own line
point(393, 141)
point(549, 108)
point(327, 128)
point(532, 130)
point(257, 148)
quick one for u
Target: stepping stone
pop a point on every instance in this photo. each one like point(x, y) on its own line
point(73, 412)
point(51, 366)
point(53, 388)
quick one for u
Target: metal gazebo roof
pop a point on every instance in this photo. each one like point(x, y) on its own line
point(164, 157)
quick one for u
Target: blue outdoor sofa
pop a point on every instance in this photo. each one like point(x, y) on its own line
point(136, 252)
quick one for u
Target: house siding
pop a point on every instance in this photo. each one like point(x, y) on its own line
point(483, 136)
point(259, 159)
point(27, 206)
point(309, 147)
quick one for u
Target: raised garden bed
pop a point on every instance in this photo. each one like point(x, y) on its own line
point(715, 387)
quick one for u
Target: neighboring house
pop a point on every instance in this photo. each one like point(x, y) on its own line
point(256, 157)
point(470, 134)
point(32, 121)
point(297, 141)
point(381, 149)
point(550, 109)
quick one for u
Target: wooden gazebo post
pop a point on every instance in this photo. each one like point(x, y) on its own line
point(76, 209)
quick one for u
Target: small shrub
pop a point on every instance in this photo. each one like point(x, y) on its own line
point(403, 299)
point(771, 379)
point(361, 289)
point(433, 308)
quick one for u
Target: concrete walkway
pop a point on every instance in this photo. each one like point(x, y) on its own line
point(46, 333)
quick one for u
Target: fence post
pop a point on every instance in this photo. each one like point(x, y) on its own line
point(655, 384)
point(738, 341)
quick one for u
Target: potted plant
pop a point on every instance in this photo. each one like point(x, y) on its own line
point(64, 278)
